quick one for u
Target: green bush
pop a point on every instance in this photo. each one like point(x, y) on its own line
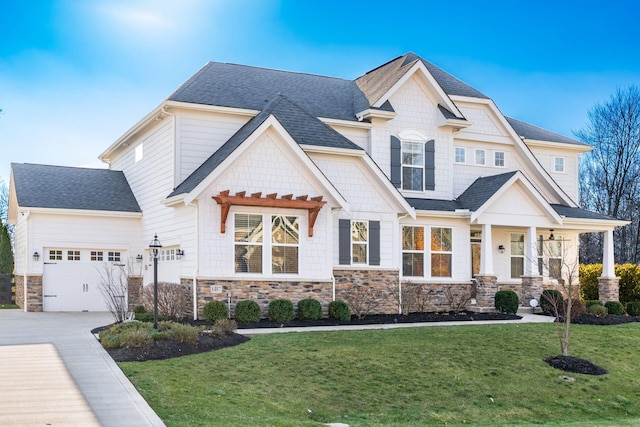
point(629, 275)
point(633, 308)
point(309, 308)
point(128, 334)
point(139, 309)
point(184, 333)
point(224, 327)
point(550, 300)
point(215, 310)
point(339, 310)
point(148, 317)
point(247, 312)
point(598, 310)
point(281, 310)
point(507, 302)
point(591, 302)
point(614, 307)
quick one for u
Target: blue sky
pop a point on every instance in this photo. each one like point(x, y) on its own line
point(75, 75)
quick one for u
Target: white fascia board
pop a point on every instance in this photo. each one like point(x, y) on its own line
point(583, 148)
point(445, 214)
point(81, 212)
point(346, 123)
point(333, 150)
point(371, 113)
point(594, 224)
point(520, 143)
point(211, 108)
point(495, 139)
point(419, 67)
point(270, 122)
point(519, 177)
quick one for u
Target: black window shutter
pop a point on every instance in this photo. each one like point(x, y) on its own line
point(396, 162)
point(344, 241)
point(374, 242)
point(429, 165)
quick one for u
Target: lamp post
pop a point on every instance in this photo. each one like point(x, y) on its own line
point(155, 247)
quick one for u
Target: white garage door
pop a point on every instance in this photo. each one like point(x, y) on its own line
point(71, 279)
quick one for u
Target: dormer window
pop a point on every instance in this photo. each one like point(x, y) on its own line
point(412, 166)
point(413, 161)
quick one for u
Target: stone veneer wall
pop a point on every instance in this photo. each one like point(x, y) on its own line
point(34, 292)
point(134, 291)
point(261, 291)
point(381, 283)
point(187, 286)
point(609, 289)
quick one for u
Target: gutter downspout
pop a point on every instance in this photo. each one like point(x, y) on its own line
point(400, 269)
point(26, 264)
point(195, 271)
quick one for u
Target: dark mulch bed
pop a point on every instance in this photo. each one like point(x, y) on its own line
point(166, 349)
point(575, 364)
point(610, 319)
point(379, 319)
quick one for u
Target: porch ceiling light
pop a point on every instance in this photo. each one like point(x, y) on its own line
point(551, 236)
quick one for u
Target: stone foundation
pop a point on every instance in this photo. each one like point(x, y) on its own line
point(187, 285)
point(371, 291)
point(134, 291)
point(485, 289)
point(34, 292)
point(609, 289)
point(532, 287)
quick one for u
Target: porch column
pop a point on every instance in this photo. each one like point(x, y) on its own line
point(608, 283)
point(486, 256)
point(486, 283)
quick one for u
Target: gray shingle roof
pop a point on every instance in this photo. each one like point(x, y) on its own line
point(61, 187)
point(433, 204)
point(534, 132)
point(570, 212)
point(303, 128)
point(482, 189)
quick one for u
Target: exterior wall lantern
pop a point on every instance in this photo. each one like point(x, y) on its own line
point(179, 253)
point(36, 256)
point(155, 247)
point(501, 248)
point(139, 258)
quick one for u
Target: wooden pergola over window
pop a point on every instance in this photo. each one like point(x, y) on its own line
point(312, 205)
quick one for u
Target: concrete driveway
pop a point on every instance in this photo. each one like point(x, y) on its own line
point(67, 378)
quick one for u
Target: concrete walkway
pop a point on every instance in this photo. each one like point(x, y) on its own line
point(67, 379)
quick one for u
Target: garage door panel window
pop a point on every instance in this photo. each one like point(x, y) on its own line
point(97, 256)
point(73, 255)
point(55, 255)
point(114, 256)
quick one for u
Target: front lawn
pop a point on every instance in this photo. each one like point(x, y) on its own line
point(453, 375)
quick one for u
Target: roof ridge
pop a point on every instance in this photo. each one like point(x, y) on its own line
point(276, 70)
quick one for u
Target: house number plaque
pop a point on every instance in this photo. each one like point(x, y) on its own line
point(216, 289)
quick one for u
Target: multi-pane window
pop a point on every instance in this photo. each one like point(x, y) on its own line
point(73, 255)
point(412, 166)
point(480, 157)
point(498, 158)
point(359, 242)
point(554, 248)
point(113, 256)
point(413, 251)
point(284, 244)
point(248, 243)
point(97, 255)
point(55, 255)
point(558, 164)
point(461, 155)
point(517, 255)
point(441, 251)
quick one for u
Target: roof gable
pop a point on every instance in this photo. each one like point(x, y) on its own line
point(61, 187)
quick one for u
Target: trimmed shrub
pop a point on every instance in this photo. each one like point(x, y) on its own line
point(148, 317)
point(215, 310)
point(247, 312)
point(129, 334)
point(281, 311)
point(310, 309)
point(224, 327)
point(592, 302)
point(598, 310)
point(629, 275)
point(588, 275)
point(139, 309)
point(550, 300)
point(184, 333)
point(507, 302)
point(633, 308)
point(339, 310)
point(614, 307)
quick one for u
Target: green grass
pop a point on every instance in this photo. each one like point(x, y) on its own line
point(460, 375)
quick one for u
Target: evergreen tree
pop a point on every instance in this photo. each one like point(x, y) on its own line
point(6, 254)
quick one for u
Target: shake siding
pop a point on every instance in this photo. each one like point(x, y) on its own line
point(199, 135)
point(357, 136)
point(481, 122)
point(280, 173)
point(568, 180)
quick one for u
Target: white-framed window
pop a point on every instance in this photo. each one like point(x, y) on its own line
point(517, 255)
point(460, 155)
point(480, 157)
point(412, 166)
point(114, 256)
point(498, 159)
point(55, 255)
point(138, 153)
point(550, 252)
point(558, 164)
point(359, 242)
point(248, 231)
point(285, 240)
point(414, 251)
point(73, 255)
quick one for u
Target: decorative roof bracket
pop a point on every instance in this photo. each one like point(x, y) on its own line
point(313, 206)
